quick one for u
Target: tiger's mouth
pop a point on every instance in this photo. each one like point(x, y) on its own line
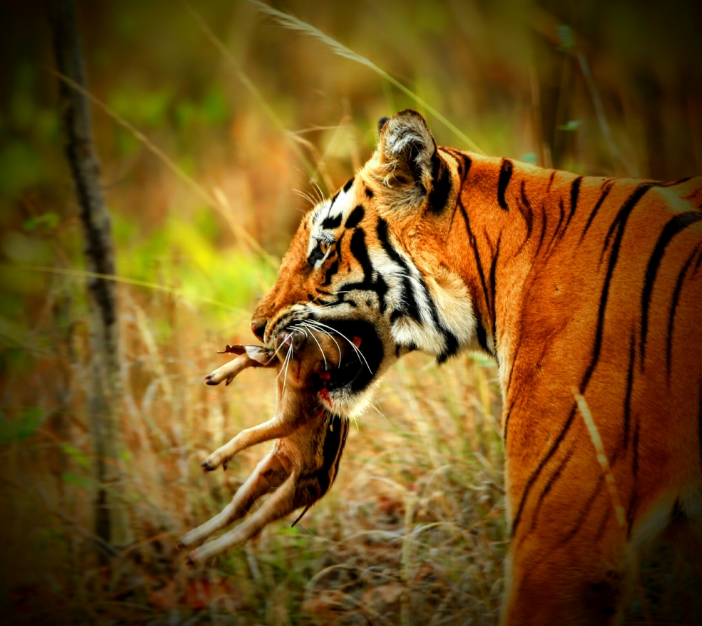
point(362, 353)
point(362, 359)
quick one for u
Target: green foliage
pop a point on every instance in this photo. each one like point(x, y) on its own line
point(20, 166)
point(571, 125)
point(566, 37)
point(75, 479)
point(76, 454)
point(49, 221)
point(18, 423)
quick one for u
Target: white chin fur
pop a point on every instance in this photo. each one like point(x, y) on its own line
point(345, 404)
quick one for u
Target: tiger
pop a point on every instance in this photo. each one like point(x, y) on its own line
point(578, 287)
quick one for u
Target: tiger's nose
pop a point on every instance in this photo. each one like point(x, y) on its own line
point(258, 328)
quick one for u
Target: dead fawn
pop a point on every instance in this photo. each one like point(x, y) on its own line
point(304, 462)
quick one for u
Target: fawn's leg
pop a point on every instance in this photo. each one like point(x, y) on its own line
point(230, 370)
point(282, 502)
point(276, 428)
point(268, 475)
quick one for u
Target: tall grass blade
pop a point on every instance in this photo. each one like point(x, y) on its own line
point(614, 495)
point(296, 24)
point(253, 90)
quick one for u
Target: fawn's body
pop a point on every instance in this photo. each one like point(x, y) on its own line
point(310, 440)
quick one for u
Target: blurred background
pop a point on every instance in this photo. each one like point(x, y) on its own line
point(242, 122)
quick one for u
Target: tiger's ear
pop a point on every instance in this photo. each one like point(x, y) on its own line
point(406, 148)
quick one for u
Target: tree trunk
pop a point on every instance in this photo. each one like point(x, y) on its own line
point(111, 518)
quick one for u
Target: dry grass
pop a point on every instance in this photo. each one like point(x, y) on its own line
point(414, 525)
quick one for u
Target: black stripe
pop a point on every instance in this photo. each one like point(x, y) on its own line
point(544, 226)
point(539, 469)
point(369, 192)
point(333, 269)
point(449, 338)
point(338, 248)
point(676, 182)
point(555, 236)
point(348, 184)
point(344, 425)
point(514, 360)
point(410, 306)
point(441, 185)
point(379, 286)
point(673, 309)
point(505, 174)
point(606, 188)
point(493, 292)
point(674, 226)
point(482, 338)
point(504, 428)
point(625, 211)
point(333, 446)
point(550, 180)
point(583, 513)
point(574, 192)
point(355, 217)
point(552, 479)
point(525, 205)
point(629, 387)
point(474, 246)
point(633, 502)
point(330, 223)
point(463, 162)
point(360, 252)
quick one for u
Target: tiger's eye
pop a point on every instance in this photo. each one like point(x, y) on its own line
point(319, 252)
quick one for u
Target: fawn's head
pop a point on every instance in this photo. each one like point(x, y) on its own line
point(310, 356)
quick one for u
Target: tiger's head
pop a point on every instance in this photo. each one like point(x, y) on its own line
point(372, 266)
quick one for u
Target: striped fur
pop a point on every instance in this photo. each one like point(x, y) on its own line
point(571, 283)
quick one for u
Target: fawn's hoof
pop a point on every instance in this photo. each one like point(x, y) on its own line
point(209, 380)
point(192, 559)
point(208, 466)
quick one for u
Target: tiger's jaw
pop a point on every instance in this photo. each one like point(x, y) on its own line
point(367, 349)
point(350, 386)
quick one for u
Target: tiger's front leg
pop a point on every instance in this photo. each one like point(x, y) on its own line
point(568, 561)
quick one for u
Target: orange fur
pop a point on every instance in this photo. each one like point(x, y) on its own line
point(569, 282)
